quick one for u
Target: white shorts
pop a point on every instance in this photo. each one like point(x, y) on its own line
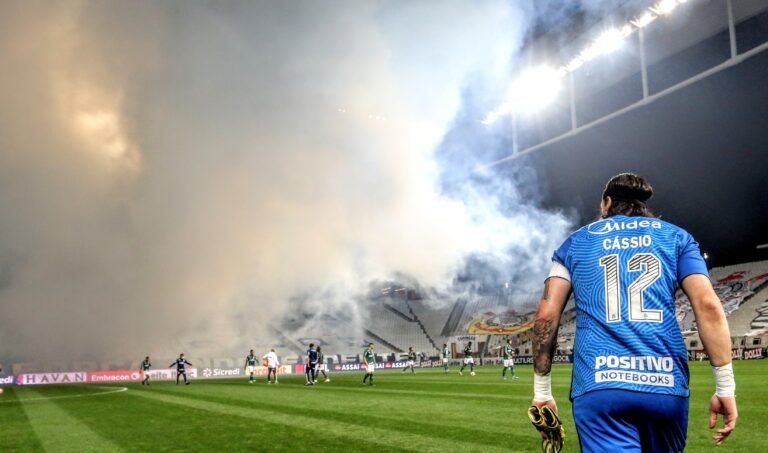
point(322, 367)
point(251, 368)
point(445, 361)
point(370, 367)
point(409, 363)
point(469, 360)
point(509, 362)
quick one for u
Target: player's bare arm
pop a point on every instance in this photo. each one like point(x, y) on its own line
point(716, 338)
point(551, 305)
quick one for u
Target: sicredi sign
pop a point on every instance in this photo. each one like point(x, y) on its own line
point(214, 373)
point(222, 373)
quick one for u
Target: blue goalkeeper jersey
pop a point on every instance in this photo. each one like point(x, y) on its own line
point(624, 272)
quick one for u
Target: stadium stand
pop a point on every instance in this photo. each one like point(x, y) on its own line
point(736, 287)
point(394, 323)
point(434, 319)
point(388, 322)
point(452, 323)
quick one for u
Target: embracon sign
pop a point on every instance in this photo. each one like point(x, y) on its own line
point(114, 376)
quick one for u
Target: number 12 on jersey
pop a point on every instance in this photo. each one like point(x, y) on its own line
point(650, 266)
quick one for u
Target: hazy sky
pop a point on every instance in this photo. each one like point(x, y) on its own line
point(177, 171)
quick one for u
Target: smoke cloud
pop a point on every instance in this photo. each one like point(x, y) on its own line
point(179, 174)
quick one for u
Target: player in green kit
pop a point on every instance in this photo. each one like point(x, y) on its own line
point(370, 363)
point(144, 368)
point(322, 367)
point(446, 357)
point(411, 363)
point(509, 360)
point(250, 366)
point(468, 360)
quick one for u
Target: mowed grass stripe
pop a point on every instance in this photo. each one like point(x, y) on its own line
point(468, 416)
point(443, 420)
point(142, 424)
point(18, 434)
point(354, 432)
point(58, 431)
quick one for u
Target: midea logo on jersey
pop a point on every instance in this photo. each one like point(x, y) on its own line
point(611, 226)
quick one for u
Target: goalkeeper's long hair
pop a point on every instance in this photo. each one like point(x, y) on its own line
point(629, 193)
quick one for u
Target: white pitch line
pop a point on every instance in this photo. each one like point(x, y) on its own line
point(79, 395)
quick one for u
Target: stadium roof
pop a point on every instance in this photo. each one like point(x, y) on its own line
point(704, 148)
point(682, 102)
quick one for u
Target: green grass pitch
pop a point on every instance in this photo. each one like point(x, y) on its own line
point(428, 411)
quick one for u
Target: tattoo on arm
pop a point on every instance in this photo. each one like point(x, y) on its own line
point(544, 335)
point(545, 294)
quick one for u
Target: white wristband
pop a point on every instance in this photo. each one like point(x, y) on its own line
point(725, 384)
point(542, 388)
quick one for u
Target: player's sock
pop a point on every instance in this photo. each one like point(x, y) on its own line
point(371, 382)
point(365, 378)
point(504, 372)
point(471, 368)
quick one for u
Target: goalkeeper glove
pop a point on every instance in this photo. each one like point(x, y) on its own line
point(548, 423)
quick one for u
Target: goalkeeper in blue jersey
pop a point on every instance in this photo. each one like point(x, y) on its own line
point(630, 373)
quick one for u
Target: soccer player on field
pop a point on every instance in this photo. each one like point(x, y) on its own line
point(144, 368)
point(311, 362)
point(446, 357)
point(250, 366)
point(468, 359)
point(369, 358)
point(180, 368)
point(509, 360)
point(630, 374)
point(411, 361)
point(322, 367)
point(270, 359)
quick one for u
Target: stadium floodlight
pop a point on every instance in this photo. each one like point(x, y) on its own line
point(608, 41)
point(644, 20)
point(664, 7)
point(490, 118)
point(538, 87)
point(534, 89)
point(574, 64)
